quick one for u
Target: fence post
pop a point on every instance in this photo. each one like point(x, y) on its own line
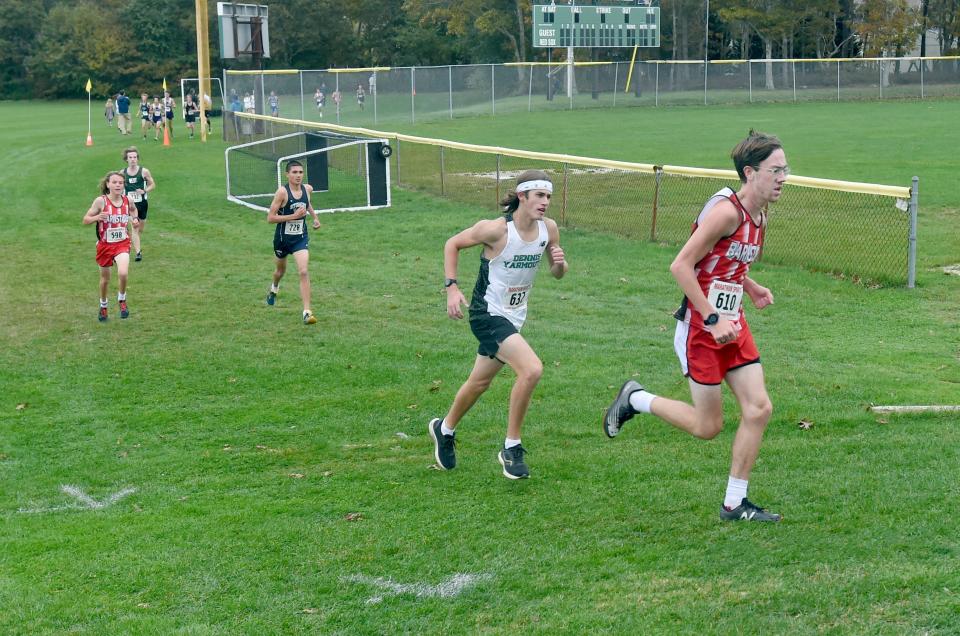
point(793, 67)
point(880, 83)
point(399, 183)
point(413, 94)
point(493, 90)
point(563, 201)
point(658, 174)
point(450, 83)
point(912, 237)
point(303, 114)
point(750, 78)
point(616, 78)
point(497, 202)
point(923, 63)
point(656, 87)
point(530, 70)
point(442, 188)
point(838, 81)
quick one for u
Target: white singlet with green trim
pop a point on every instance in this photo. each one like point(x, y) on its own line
point(504, 283)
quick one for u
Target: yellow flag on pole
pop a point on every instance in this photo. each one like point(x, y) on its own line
point(89, 85)
point(164, 84)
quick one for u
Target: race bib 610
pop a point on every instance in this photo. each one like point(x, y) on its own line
point(726, 298)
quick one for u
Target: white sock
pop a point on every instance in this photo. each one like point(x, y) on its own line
point(274, 288)
point(510, 443)
point(736, 492)
point(444, 430)
point(641, 400)
point(122, 296)
point(103, 302)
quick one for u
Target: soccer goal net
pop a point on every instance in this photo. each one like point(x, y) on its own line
point(191, 86)
point(346, 173)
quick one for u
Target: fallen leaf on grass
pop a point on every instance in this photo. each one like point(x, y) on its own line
point(883, 420)
point(435, 386)
point(296, 475)
point(143, 605)
point(805, 425)
point(326, 473)
point(412, 407)
point(310, 610)
point(21, 406)
point(227, 448)
point(231, 380)
point(662, 327)
point(353, 516)
point(261, 447)
point(402, 435)
point(623, 280)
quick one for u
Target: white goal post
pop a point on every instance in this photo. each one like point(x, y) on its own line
point(196, 81)
point(346, 173)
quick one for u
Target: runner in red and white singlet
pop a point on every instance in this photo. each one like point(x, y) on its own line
point(721, 275)
point(111, 214)
point(713, 339)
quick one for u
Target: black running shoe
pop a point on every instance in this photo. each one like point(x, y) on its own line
point(512, 461)
point(102, 316)
point(271, 298)
point(748, 511)
point(139, 257)
point(443, 445)
point(620, 411)
point(124, 312)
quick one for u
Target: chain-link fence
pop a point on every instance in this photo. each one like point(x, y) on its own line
point(859, 230)
point(368, 97)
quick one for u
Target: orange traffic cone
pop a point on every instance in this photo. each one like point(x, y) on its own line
point(166, 136)
point(89, 139)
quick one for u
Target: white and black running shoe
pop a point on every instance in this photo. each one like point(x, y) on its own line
point(620, 411)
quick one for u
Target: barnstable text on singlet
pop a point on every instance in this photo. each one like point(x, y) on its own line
point(743, 253)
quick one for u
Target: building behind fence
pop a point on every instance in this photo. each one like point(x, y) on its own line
point(864, 231)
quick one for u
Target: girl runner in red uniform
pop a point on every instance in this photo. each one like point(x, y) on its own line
point(111, 213)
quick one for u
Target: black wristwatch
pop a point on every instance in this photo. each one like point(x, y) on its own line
point(711, 320)
point(447, 282)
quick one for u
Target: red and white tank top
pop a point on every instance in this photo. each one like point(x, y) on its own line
point(114, 229)
point(722, 271)
point(730, 258)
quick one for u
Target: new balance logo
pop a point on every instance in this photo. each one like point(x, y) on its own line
point(747, 516)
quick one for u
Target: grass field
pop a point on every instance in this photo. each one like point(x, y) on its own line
point(281, 474)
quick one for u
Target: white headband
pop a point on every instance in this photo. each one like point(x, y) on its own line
point(537, 184)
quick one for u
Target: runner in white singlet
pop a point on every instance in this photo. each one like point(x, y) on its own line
point(513, 247)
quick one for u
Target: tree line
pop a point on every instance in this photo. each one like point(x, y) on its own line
point(48, 48)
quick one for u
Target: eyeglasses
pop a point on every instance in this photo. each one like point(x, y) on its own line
point(779, 170)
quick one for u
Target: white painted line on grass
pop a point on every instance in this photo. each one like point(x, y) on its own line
point(453, 586)
point(84, 501)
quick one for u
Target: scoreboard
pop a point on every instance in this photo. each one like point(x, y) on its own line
point(565, 25)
